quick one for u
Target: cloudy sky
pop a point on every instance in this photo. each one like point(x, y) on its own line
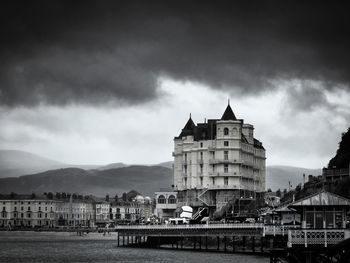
point(94, 82)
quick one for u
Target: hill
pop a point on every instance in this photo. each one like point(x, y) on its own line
point(144, 179)
point(15, 163)
point(342, 157)
point(278, 176)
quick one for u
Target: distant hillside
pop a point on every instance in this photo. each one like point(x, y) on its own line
point(144, 179)
point(278, 176)
point(15, 163)
point(112, 166)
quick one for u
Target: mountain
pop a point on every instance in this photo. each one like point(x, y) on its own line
point(144, 179)
point(278, 176)
point(15, 163)
point(167, 164)
point(112, 166)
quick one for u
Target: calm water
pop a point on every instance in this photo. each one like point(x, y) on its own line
point(66, 247)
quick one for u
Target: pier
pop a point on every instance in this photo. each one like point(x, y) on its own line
point(273, 240)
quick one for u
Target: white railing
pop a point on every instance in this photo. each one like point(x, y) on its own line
point(323, 237)
point(278, 229)
point(200, 226)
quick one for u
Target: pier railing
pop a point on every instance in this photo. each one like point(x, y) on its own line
point(197, 226)
point(324, 237)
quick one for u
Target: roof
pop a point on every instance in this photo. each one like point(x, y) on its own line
point(228, 114)
point(322, 198)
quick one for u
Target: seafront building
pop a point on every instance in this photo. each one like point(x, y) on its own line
point(166, 204)
point(218, 161)
point(28, 210)
point(77, 211)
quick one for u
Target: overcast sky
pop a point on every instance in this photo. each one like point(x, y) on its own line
point(95, 82)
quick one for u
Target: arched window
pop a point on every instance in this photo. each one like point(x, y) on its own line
point(225, 131)
point(172, 199)
point(161, 199)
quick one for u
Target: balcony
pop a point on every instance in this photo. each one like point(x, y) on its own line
point(221, 187)
point(216, 174)
point(217, 161)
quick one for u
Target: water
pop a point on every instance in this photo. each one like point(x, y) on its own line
point(67, 247)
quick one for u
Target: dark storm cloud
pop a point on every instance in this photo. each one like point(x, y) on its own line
point(60, 52)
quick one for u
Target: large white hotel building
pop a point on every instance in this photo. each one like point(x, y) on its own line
point(217, 161)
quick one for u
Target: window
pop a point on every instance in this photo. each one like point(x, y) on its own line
point(201, 167)
point(28, 208)
point(225, 180)
point(225, 131)
point(213, 181)
point(185, 156)
point(202, 156)
point(39, 208)
point(185, 169)
point(201, 145)
point(225, 168)
point(161, 199)
point(226, 143)
point(3, 209)
point(172, 199)
point(201, 180)
point(225, 155)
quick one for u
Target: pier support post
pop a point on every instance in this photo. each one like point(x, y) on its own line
point(225, 244)
point(200, 243)
point(218, 242)
point(244, 242)
point(233, 244)
point(123, 240)
point(253, 244)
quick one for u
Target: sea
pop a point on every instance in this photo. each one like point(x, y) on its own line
point(68, 247)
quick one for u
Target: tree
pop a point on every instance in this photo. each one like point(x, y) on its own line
point(107, 198)
point(278, 193)
point(298, 188)
point(124, 197)
point(116, 197)
point(269, 190)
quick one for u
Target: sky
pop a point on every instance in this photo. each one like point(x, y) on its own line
point(96, 82)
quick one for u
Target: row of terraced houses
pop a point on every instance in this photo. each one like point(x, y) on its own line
point(61, 209)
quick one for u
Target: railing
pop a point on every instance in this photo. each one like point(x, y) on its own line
point(214, 174)
point(322, 237)
point(274, 230)
point(199, 226)
point(216, 161)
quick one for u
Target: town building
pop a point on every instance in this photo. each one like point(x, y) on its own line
point(124, 212)
point(28, 211)
point(165, 204)
point(218, 161)
point(75, 210)
point(331, 175)
point(322, 210)
point(102, 211)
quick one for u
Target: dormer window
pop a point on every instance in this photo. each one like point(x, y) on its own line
point(225, 131)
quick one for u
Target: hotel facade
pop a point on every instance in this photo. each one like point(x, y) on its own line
point(218, 161)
